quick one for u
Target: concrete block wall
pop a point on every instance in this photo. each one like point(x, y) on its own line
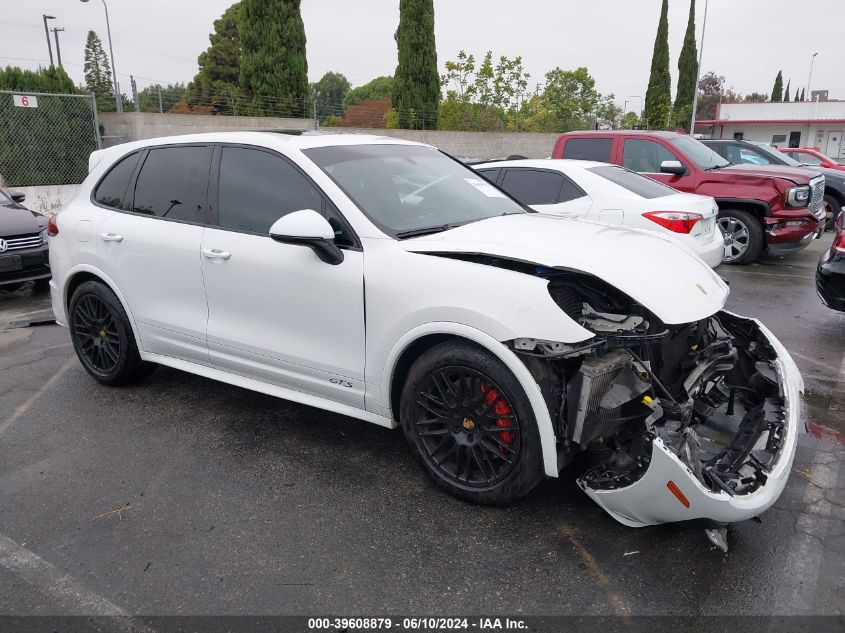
point(134, 126)
point(47, 199)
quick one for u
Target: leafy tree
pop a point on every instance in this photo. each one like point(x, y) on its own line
point(171, 94)
point(98, 77)
point(416, 86)
point(711, 88)
point(629, 120)
point(482, 98)
point(329, 93)
point(274, 69)
point(687, 73)
point(777, 90)
point(786, 91)
point(218, 80)
point(756, 97)
point(50, 144)
point(378, 88)
point(570, 101)
point(658, 97)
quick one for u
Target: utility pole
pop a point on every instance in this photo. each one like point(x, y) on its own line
point(698, 71)
point(810, 80)
point(58, 50)
point(47, 33)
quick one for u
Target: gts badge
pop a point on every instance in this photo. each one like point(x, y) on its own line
point(342, 383)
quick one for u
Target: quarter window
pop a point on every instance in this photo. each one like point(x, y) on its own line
point(597, 149)
point(257, 188)
point(173, 183)
point(531, 186)
point(645, 156)
point(112, 189)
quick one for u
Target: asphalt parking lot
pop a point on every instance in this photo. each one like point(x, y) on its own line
point(185, 496)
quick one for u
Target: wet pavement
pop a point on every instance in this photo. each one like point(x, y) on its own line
point(186, 496)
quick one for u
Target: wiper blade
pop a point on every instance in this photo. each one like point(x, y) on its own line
point(424, 231)
point(715, 167)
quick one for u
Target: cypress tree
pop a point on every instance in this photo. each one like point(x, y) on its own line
point(658, 97)
point(98, 77)
point(786, 90)
point(687, 73)
point(797, 96)
point(416, 85)
point(219, 66)
point(803, 96)
point(274, 69)
point(777, 90)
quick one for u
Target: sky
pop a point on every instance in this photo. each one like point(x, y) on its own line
point(747, 41)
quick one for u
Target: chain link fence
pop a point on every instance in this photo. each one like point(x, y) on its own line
point(45, 139)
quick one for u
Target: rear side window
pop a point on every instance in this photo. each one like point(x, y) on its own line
point(597, 149)
point(645, 156)
point(633, 182)
point(490, 174)
point(257, 188)
point(173, 183)
point(111, 191)
point(532, 186)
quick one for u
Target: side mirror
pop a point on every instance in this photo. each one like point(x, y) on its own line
point(673, 167)
point(308, 228)
point(17, 196)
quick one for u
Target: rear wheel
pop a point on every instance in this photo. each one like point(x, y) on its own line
point(102, 336)
point(831, 209)
point(470, 425)
point(744, 238)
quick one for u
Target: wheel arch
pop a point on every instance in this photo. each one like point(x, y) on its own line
point(758, 208)
point(415, 343)
point(84, 272)
point(836, 194)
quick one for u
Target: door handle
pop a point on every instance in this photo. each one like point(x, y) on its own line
point(111, 237)
point(214, 253)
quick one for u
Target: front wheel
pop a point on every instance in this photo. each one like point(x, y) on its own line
point(831, 210)
point(470, 425)
point(743, 233)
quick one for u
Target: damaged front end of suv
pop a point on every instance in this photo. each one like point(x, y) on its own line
point(684, 422)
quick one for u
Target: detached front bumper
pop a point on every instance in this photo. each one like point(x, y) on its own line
point(670, 492)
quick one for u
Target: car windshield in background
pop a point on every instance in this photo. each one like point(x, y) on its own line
point(699, 153)
point(405, 189)
point(5, 198)
point(778, 157)
point(633, 182)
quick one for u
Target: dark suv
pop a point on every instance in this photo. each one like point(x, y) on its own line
point(23, 245)
point(738, 152)
point(778, 210)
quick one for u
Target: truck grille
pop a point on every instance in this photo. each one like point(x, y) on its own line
point(20, 242)
point(817, 196)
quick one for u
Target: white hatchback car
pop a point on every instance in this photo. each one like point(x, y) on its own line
point(381, 279)
point(610, 194)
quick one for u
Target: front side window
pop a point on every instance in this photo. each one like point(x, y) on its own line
point(775, 157)
point(597, 149)
point(404, 189)
point(698, 152)
point(739, 155)
point(257, 188)
point(634, 182)
point(533, 186)
point(111, 192)
point(173, 183)
point(645, 156)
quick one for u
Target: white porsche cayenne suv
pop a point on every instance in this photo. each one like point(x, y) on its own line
point(382, 279)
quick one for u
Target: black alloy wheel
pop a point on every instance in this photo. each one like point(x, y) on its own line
point(96, 334)
point(466, 427)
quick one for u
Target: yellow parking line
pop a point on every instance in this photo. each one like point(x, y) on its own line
point(619, 604)
point(26, 405)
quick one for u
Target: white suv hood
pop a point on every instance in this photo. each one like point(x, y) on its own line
point(671, 282)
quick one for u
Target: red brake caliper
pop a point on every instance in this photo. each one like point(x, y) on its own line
point(500, 408)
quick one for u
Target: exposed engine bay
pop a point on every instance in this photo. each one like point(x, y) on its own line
point(708, 391)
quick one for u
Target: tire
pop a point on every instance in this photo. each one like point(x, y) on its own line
point(454, 394)
point(832, 209)
point(747, 233)
point(103, 338)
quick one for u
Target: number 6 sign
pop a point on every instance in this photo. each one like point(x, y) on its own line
point(25, 101)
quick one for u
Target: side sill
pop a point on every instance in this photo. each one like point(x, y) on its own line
point(269, 389)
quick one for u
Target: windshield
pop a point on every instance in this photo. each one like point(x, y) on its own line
point(778, 157)
point(699, 153)
point(634, 182)
point(409, 188)
point(5, 198)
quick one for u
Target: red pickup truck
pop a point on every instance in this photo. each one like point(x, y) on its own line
point(776, 210)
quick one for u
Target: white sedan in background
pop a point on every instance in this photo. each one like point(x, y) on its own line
point(609, 194)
